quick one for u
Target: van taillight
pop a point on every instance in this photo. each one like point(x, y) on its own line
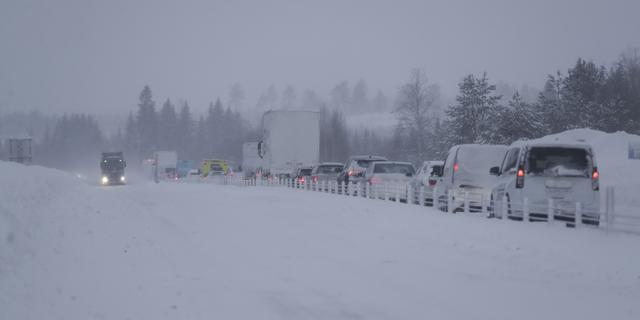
point(455, 167)
point(595, 179)
point(520, 178)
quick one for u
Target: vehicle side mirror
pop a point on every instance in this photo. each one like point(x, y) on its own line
point(495, 171)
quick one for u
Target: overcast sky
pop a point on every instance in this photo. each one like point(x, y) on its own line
point(95, 56)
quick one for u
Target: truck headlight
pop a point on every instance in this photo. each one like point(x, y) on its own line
point(105, 179)
point(122, 179)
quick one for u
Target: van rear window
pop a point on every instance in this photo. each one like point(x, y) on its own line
point(559, 162)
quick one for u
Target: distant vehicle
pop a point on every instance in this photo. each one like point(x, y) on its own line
point(465, 173)
point(392, 176)
point(19, 150)
point(567, 173)
point(326, 172)
point(251, 161)
point(192, 175)
point(112, 167)
point(214, 167)
point(165, 165)
point(426, 177)
point(184, 166)
point(290, 140)
point(354, 168)
point(303, 175)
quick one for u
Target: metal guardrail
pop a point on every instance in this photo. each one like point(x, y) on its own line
point(573, 215)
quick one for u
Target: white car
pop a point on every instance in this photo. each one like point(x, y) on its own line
point(426, 178)
point(565, 173)
point(465, 175)
point(389, 178)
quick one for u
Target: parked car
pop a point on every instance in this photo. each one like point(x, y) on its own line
point(326, 172)
point(390, 177)
point(354, 168)
point(465, 175)
point(567, 173)
point(426, 178)
point(303, 175)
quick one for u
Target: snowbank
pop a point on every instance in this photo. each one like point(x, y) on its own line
point(199, 251)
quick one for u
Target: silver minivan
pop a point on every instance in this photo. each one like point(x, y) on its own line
point(465, 176)
point(554, 177)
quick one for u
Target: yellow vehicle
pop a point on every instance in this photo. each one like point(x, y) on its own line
point(214, 167)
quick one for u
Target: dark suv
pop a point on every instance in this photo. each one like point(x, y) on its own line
point(355, 167)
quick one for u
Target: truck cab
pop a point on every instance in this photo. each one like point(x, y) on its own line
point(112, 167)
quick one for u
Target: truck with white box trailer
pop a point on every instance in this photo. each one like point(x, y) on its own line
point(290, 139)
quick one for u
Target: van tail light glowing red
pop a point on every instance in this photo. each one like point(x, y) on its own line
point(520, 178)
point(595, 179)
point(456, 167)
point(315, 178)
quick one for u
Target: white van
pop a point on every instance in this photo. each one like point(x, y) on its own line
point(565, 173)
point(465, 174)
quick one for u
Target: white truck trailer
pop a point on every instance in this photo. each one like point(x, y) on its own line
point(165, 165)
point(251, 161)
point(290, 140)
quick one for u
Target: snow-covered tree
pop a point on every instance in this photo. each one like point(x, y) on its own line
point(472, 119)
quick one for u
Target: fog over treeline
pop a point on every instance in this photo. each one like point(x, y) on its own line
point(423, 124)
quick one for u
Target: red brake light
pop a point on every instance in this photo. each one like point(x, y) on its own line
point(595, 175)
point(595, 179)
point(520, 173)
point(315, 178)
point(350, 173)
point(456, 167)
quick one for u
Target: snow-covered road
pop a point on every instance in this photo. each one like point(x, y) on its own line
point(69, 250)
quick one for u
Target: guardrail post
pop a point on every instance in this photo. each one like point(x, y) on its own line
point(504, 214)
point(397, 192)
point(410, 195)
point(550, 211)
point(525, 210)
point(483, 208)
point(578, 214)
point(612, 203)
point(421, 194)
point(466, 202)
point(435, 201)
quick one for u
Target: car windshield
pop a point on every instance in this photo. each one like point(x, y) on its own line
point(329, 169)
point(113, 163)
point(399, 168)
point(364, 163)
point(305, 172)
point(558, 162)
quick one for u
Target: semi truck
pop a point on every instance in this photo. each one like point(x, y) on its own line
point(112, 167)
point(251, 161)
point(290, 140)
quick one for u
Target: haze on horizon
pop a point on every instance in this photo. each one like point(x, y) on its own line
point(95, 56)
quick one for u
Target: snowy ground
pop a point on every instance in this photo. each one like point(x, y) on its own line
point(69, 250)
